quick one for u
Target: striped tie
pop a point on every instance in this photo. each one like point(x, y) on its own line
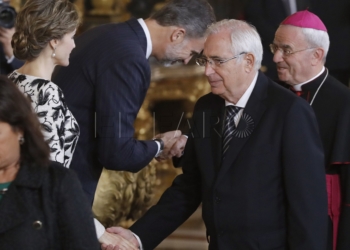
point(231, 112)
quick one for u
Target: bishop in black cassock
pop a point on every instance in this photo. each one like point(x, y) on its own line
point(330, 100)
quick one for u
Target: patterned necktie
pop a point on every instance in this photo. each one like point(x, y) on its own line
point(231, 112)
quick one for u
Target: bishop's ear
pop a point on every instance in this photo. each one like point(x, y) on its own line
point(317, 56)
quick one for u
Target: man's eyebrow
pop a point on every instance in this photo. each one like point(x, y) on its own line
point(285, 46)
point(212, 57)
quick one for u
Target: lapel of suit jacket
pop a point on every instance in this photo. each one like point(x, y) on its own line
point(250, 119)
point(216, 133)
point(137, 28)
point(13, 207)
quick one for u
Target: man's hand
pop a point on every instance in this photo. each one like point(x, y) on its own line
point(5, 40)
point(123, 239)
point(178, 148)
point(170, 139)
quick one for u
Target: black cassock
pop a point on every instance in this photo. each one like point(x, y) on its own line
point(330, 100)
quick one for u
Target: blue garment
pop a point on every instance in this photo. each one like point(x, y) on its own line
point(7, 68)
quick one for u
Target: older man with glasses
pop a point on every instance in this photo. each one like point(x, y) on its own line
point(300, 48)
point(254, 158)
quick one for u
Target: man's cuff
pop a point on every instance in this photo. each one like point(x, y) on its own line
point(100, 229)
point(139, 241)
point(10, 60)
point(158, 151)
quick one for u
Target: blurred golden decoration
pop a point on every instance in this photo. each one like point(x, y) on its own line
point(121, 9)
point(263, 68)
point(115, 8)
point(106, 11)
point(123, 197)
point(103, 7)
point(80, 8)
point(17, 4)
point(159, 5)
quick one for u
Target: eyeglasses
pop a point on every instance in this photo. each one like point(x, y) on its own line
point(202, 61)
point(285, 51)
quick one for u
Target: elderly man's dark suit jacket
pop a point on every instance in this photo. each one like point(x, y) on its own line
point(104, 87)
point(268, 193)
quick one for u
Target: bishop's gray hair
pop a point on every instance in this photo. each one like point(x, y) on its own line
point(317, 38)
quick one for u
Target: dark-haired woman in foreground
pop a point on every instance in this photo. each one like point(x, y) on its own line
point(42, 205)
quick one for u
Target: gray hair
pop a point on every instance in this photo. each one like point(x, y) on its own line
point(317, 38)
point(192, 15)
point(244, 38)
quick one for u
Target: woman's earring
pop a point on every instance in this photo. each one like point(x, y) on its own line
point(21, 140)
point(54, 52)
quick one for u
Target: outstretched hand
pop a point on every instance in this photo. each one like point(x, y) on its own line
point(174, 144)
point(118, 238)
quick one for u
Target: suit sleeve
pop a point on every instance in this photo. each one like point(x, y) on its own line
point(120, 91)
point(77, 230)
point(304, 179)
point(175, 206)
point(16, 64)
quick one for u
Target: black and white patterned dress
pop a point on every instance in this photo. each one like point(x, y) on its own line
point(60, 129)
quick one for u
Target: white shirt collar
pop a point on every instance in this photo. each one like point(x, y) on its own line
point(242, 102)
point(297, 87)
point(148, 37)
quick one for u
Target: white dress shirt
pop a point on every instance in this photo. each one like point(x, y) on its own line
point(242, 102)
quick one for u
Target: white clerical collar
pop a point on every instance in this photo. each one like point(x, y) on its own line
point(298, 86)
point(148, 37)
point(242, 102)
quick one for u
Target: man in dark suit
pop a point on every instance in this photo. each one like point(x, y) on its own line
point(254, 158)
point(300, 49)
point(107, 80)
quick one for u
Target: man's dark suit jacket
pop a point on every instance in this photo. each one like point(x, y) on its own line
point(268, 193)
point(7, 68)
point(104, 87)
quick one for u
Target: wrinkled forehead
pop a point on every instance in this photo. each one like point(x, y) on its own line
point(289, 35)
point(218, 44)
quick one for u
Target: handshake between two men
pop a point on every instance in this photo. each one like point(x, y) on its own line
point(171, 144)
